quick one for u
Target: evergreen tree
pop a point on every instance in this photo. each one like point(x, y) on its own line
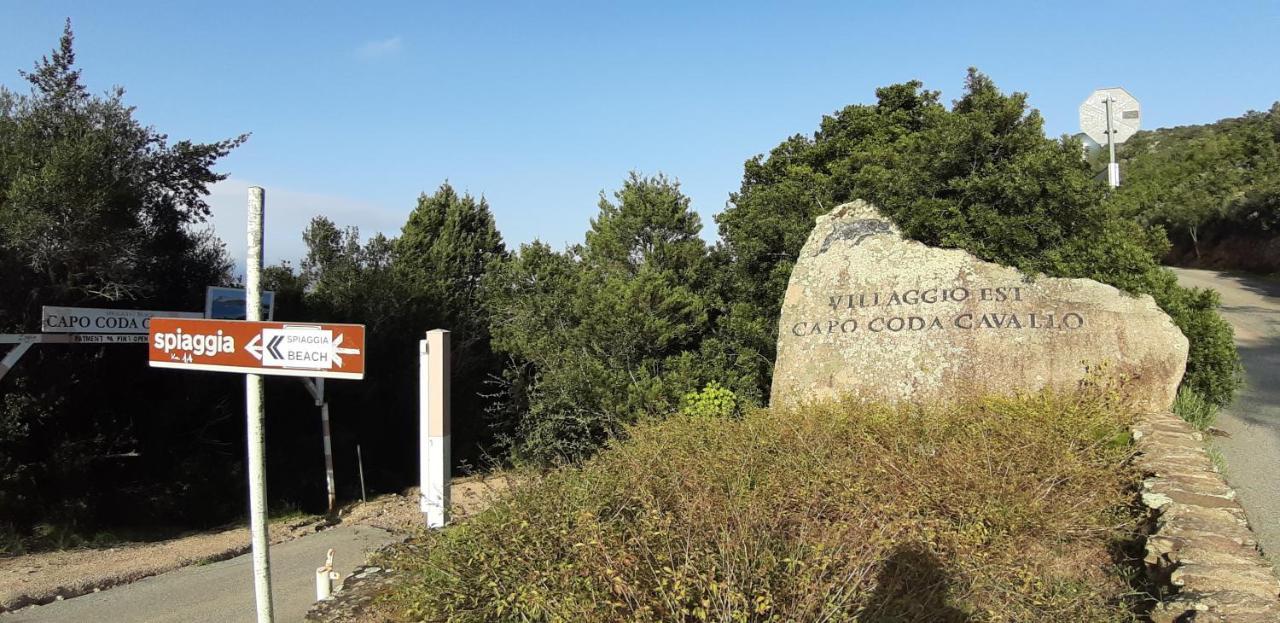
point(98, 210)
point(611, 330)
point(444, 249)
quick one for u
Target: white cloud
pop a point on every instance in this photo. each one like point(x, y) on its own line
point(380, 47)
point(287, 213)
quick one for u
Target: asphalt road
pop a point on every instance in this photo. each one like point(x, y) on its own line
point(220, 592)
point(1252, 450)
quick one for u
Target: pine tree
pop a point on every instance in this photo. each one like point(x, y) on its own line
point(445, 247)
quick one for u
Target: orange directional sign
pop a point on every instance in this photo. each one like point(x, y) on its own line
point(277, 348)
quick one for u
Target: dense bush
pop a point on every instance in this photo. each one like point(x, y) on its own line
point(1004, 510)
point(981, 177)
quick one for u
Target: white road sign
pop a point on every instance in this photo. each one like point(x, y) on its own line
point(55, 319)
point(303, 347)
point(1126, 115)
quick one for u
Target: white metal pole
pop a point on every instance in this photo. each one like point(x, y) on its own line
point(11, 359)
point(328, 445)
point(433, 433)
point(1113, 167)
point(256, 414)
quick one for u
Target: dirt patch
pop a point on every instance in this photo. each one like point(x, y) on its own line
point(401, 513)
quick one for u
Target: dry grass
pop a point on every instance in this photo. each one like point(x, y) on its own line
point(1006, 510)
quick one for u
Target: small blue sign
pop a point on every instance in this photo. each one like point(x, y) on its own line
point(228, 304)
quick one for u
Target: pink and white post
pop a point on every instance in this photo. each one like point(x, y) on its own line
point(433, 433)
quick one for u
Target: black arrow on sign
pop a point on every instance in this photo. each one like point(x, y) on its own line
point(273, 346)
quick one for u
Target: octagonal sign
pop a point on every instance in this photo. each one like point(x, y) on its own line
point(1126, 115)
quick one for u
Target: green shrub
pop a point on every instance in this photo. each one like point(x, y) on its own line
point(1213, 363)
point(712, 401)
point(1004, 510)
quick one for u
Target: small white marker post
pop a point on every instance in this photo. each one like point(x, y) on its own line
point(433, 432)
point(256, 416)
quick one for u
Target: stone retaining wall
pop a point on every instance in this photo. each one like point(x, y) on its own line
point(1201, 549)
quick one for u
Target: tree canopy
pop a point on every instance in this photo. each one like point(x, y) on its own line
point(99, 210)
point(610, 330)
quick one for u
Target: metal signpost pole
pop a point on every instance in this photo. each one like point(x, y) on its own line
point(1113, 168)
point(256, 415)
point(11, 359)
point(328, 445)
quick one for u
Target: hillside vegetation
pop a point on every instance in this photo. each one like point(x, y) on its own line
point(1002, 510)
point(979, 176)
point(1214, 188)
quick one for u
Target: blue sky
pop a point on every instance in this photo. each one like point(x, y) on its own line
point(539, 106)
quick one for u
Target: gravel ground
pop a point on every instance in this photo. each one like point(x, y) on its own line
point(48, 576)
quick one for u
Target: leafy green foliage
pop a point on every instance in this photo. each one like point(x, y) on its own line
point(838, 512)
point(711, 401)
point(610, 330)
point(444, 250)
point(99, 210)
point(980, 177)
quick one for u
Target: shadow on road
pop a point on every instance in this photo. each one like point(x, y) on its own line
point(1255, 404)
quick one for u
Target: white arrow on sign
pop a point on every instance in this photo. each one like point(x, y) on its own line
point(253, 348)
point(337, 350)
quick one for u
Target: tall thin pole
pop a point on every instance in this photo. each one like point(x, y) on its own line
point(1113, 168)
point(360, 465)
point(328, 446)
point(256, 415)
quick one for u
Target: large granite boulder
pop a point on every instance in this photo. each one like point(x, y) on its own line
point(870, 313)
